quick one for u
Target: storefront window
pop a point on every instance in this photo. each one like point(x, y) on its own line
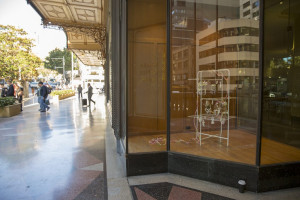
point(147, 94)
point(214, 108)
point(281, 94)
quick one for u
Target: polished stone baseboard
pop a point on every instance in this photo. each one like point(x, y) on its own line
point(258, 179)
point(146, 163)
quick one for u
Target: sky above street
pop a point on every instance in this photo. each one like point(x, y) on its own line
point(21, 15)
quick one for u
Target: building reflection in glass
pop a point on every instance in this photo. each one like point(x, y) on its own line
point(215, 35)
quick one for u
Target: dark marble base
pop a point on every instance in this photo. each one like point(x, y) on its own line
point(258, 179)
point(147, 163)
point(281, 176)
point(169, 191)
point(217, 171)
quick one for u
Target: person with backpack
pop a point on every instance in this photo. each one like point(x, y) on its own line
point(11, 90)
point(43, 92)
point(49, 88)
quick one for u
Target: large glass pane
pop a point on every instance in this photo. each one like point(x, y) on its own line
point(147, 94)
point(281, 99)
point(214, 85)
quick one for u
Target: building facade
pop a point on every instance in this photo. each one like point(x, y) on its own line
point(206, 88)
point(215, 70)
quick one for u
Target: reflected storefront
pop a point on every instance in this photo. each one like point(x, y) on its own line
point(281, 89)
point(212, 92)
point(214, 98)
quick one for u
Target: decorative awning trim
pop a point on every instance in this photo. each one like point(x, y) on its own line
point(97, 32)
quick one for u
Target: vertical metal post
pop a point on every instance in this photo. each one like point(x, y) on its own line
point(64, 76)
point(127, 84)
point(168, 73)
point(228, 104)
point(261, 81)
point(217, 35)
point(72, 70)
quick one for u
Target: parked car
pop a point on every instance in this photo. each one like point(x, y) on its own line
point(33, 84)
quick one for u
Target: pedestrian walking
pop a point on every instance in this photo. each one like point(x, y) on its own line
point(38, 94)
point(90, 94)
point(15, 88)
point(20, 96)
point(79, 90)
point(32, 91)
point(3, 90)
point(10, 91)
point(43, 92)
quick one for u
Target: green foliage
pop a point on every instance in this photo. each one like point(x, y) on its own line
point(51, 61)
point(280, 67)
point(62, 92)
point(16, 55)
point(6, 101)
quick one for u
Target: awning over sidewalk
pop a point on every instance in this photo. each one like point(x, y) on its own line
point(82, 20)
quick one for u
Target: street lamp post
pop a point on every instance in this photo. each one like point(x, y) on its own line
point(72, 71)
point(63, 59)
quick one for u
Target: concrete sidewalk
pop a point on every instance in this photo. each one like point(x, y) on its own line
point(55, 155)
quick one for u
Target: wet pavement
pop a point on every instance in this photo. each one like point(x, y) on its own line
point(31, 100)
point(55, 155)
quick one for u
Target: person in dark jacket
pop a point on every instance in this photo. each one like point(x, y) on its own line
point(79, 90)
point(11, 91)
point(3, 90)
point(90, 94)
point(43, 96)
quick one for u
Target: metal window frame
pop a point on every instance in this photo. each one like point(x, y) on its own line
point(261, 79)
point(168, 73)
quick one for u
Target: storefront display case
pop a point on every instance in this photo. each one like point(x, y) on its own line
point(205, 86)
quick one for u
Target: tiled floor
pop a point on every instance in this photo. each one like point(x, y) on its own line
point(61, 155)
point(216, 191)
point(55, 155)
point(169, 191)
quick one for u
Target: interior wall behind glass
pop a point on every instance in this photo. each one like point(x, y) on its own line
point(214, 78)
point(281, 95)
point(147, 94)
